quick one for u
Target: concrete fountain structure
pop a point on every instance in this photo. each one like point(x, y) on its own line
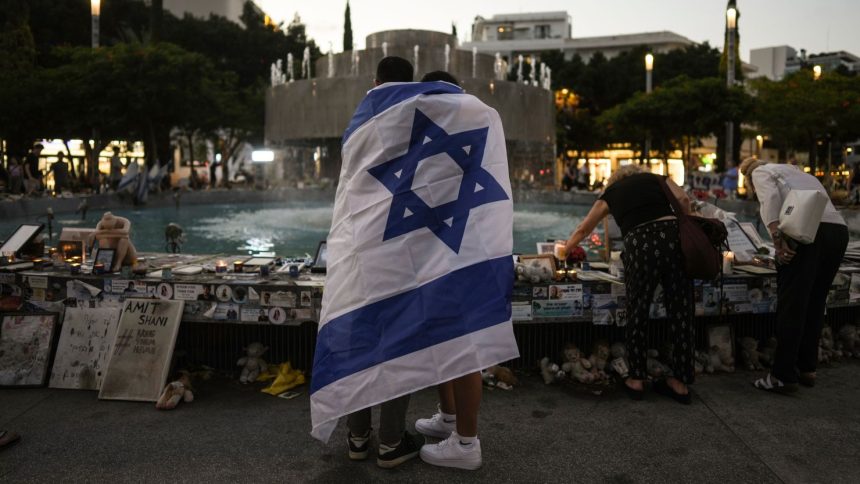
point(306, 118)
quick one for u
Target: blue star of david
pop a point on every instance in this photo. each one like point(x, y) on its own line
point(447, 221)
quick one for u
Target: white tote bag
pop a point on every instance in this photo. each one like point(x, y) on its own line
point(801, 214)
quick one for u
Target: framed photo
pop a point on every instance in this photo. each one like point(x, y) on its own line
point(545, 262)
point(545, 248)
point(105, 256)
point(26, 341)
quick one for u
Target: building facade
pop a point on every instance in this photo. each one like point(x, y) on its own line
point(776, 62)
point(230, 9)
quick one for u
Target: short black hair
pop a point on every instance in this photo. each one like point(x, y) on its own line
point(393, 69)
point(440, 76)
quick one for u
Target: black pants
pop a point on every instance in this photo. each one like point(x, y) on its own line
point(392, 420)
point(652, 257)
point(802, 287)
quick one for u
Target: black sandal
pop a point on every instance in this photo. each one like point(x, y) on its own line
point(662, 387)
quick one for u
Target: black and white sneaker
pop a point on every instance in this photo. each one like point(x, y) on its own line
point(408, 448)
point(358, 446)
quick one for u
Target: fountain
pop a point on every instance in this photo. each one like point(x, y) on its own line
point(497, 67)
point(447, 56)
point(520, 68)
point(330, 64)
point(415, 59)
point(355, 59)
point(385, 49)
point(474, 62)
point(290, 66)
point(532, 71)
point(306, 63)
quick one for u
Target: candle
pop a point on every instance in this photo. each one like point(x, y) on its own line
point(220, 267)
point(560, 250)
point(559, 274)
point(237, 266)
point(571, 274)
point(98, 268)
point(728, 261)
point(75, 268)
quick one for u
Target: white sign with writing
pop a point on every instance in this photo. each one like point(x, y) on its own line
point(140, 357)
point(84, 348)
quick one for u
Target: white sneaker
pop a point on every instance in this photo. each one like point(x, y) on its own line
point(451, 453)
point(436, 426)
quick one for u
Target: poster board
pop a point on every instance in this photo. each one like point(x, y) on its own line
point(25, 348)
point(85, 345)
point(140, 357)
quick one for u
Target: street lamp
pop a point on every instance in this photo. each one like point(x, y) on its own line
point(731, 24)
point(816, 72)
point(649, 66)
point(95, 10)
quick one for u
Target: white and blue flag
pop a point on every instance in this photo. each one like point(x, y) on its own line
point(420, 273)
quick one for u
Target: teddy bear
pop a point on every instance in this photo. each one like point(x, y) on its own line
point(766, 354)
point(550, 372)
point(653, 366)
point(750, 354)
point(619, 364)
point(499, 376)
point(175, 391)
point(827, 354)
point(533, 272)
point(721, 359)
point(576, 366)
point(112, 232)
point(252, 364)
point(849, 342)
point(599, 360)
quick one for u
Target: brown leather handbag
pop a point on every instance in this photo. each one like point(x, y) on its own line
point(702, 240)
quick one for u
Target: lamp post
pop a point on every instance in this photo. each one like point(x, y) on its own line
point(816, 72)
point(95, 10)
point(731, 24)
point(649, 66)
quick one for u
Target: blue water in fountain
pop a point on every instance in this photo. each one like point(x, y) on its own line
point(291, 229)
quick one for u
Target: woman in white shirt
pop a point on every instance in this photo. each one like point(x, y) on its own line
point(804, 273)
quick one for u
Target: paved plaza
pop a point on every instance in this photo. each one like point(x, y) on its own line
point(535, 433)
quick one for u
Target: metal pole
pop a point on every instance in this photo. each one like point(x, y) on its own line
point(730, 82)
point(648, 85)
point(95, 37)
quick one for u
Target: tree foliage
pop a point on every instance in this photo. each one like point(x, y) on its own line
point(347, 29)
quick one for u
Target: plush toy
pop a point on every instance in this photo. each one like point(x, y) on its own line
point(550, 372)
point(766, 354)
point(721, 359)
point(827, 354)
point(576, 365)
point(112, 232)
point(533, 272)
point(252, 364)
point(504, 377)
point(174, 392)
point(599, 359)
point(619, 364)
point(750, 354)
point(702, 363)
point(849, 342)
point(653, 366)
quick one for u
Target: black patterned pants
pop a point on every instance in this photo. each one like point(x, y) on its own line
point(652, 256)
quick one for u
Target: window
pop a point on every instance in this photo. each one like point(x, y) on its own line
point(542, 31)
point(505, 32)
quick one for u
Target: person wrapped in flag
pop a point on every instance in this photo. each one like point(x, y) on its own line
point(420, 270)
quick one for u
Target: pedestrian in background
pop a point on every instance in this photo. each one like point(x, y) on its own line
point(32, 172)
point(804, 273)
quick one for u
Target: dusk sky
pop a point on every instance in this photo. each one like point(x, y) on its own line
point(816, 25)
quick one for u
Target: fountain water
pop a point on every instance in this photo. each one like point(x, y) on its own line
point(330, 64)
point(520, 68)
point(385, 49)
point(447, 56)
point(532, 71)
point(415, 58)
point(306, 63)
point(497, 67)
point(355, 60)
point(290, 66)
point(474, 62)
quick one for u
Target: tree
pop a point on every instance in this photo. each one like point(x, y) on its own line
point(17, 76)
point(454, 29)
point(347, 29)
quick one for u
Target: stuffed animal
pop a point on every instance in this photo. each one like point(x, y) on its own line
point(576, 366)
point(252, 364)
point(619, 364)
point(721, 359)
point(827, 354)
point(533, 272)
point(767, 353)
point(702, 363)
point(599, 360)
point(653, 366)
point(750, 354)
point(174, 392)
point(550, 372)
point(504, 377)
point(112, 232)
point(849, 342)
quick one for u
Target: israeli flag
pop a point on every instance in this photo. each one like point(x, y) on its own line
point(420, 272)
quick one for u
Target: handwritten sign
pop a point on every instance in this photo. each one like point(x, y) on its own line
point(140, 357)
point(84, 348)
point(25, 348)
